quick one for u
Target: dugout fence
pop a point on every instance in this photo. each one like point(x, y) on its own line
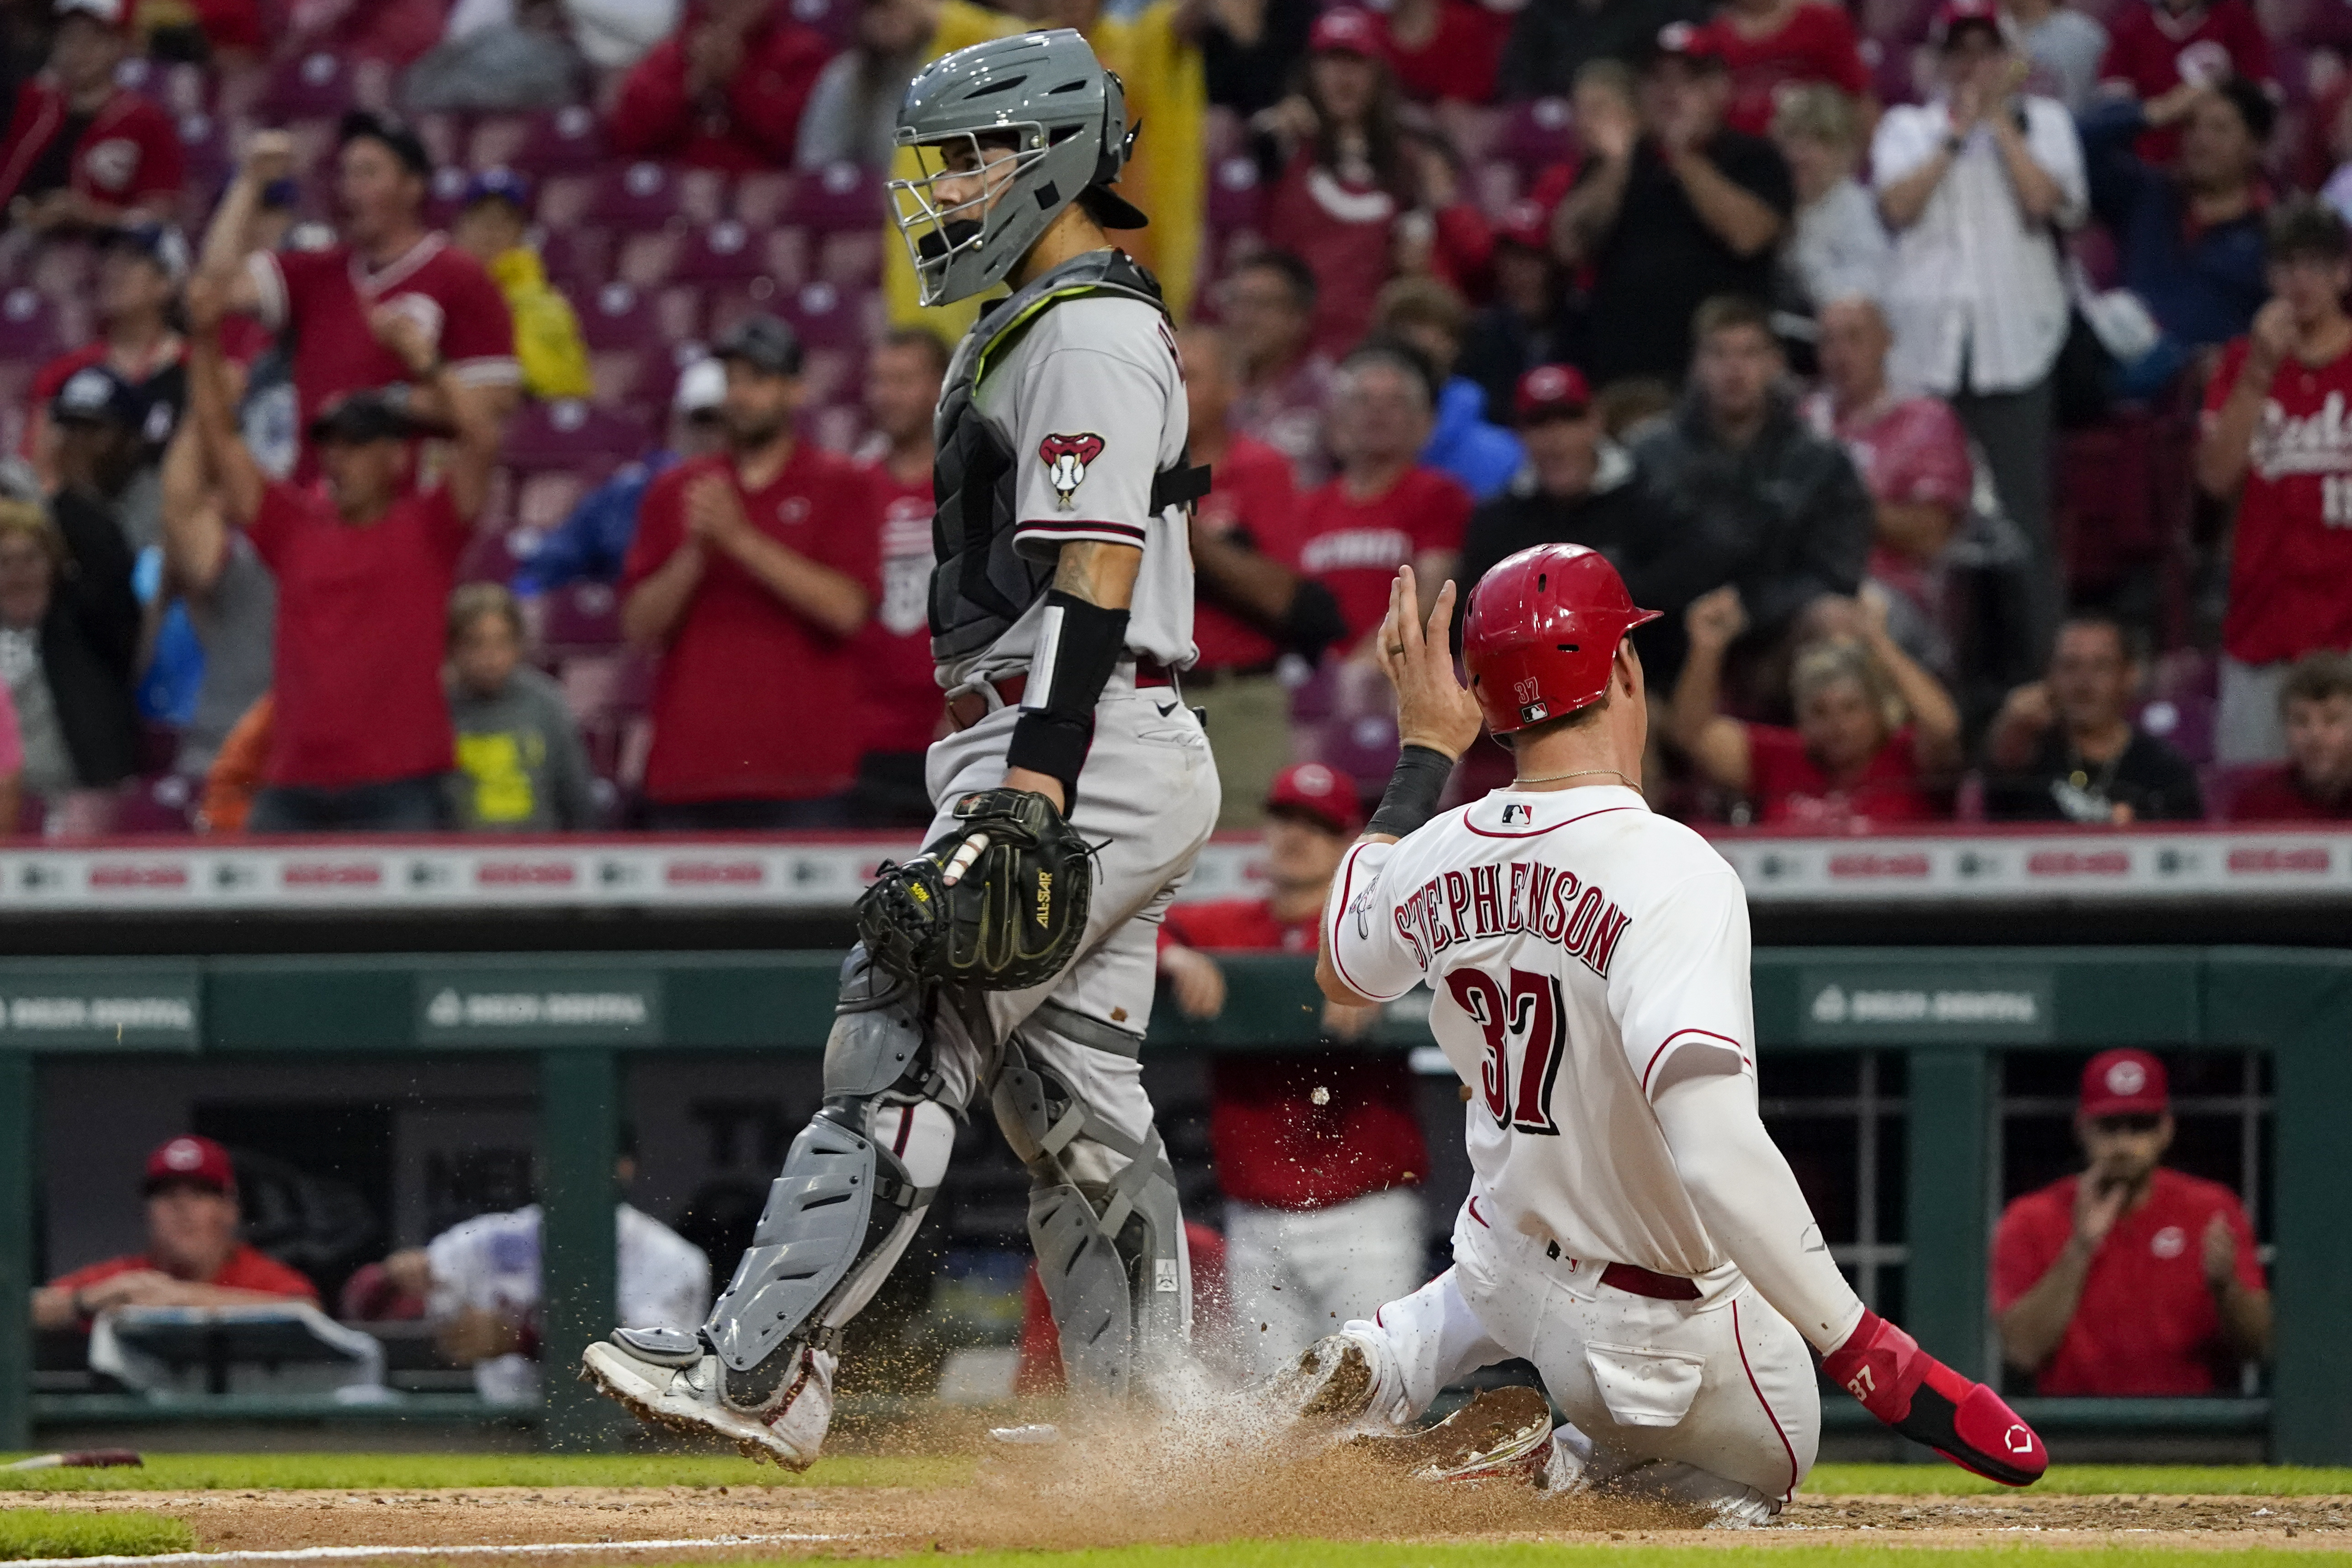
point(1953, 1015)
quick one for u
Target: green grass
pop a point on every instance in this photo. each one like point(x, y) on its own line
point(196, 1472)
point(1941, 1480)
point(248, 1472)
point(1628, 1554)
point(46, 1533)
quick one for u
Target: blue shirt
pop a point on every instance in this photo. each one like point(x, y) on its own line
point(1483, 456)
point(2202, 285)
point(590, 545)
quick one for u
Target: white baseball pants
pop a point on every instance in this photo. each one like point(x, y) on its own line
point(1296, 1275)
point(1714, 1406)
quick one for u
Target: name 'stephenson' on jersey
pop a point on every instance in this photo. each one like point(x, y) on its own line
point(1573, 941)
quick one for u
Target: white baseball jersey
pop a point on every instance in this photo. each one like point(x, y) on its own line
point(1091, 403)
point(491, 1262)
point(1573, 942)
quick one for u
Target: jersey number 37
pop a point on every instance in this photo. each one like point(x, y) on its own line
point(1523, 1021)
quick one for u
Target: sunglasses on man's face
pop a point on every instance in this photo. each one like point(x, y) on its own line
point(2137, 1123)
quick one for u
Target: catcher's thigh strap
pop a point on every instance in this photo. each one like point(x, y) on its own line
point(1109, 1238)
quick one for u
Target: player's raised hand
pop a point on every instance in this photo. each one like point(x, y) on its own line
point(1433, 709)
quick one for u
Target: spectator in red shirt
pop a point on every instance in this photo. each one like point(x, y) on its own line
point(903, 701)
point(1772, 46)
point(138, 280)
point(325, 301)
point(2156, 46)
point(1267, 306)
point(1873, 730)
point(81, 152)
point(751, 573)
point(2130, 1278)
point(724, 91)
point(1317, 1154)
point(2315, 783)
point(2276, 436)
point(365, 562)
point(1385, 509)
point(1253, 603)
point(1447, 50)
point(1912, 454)
point(194, 1257)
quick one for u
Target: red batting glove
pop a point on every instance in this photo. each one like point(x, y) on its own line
point(1929, 1402)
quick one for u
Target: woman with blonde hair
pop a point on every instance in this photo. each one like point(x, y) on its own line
point(1839, 248)
point(69, 654)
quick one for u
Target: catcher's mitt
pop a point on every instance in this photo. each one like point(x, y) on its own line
point(1000, 902)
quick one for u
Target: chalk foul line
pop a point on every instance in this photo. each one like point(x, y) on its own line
point(329, 1554)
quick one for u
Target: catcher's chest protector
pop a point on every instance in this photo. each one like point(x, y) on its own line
point(982, 585)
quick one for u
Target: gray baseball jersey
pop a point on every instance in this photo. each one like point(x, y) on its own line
point(1091, 403)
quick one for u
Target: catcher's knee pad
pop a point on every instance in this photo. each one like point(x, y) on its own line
point(877, 1042)
point(1106, 1226)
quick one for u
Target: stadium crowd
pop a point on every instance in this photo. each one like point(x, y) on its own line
point(1966, 379)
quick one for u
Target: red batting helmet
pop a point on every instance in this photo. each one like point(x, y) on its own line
point(1541, 631)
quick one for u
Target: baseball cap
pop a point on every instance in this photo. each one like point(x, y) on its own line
point(765, 342)
point(1345, 30)
point(1551, 390)
point(110, 14)
point(701, 387)
point(365, 124)
point(1323, 793)
point(1526, 222)
point(371, 415)
point(192, 1159)
point(2125, 1083)
point(159, 243)
point(1953, 15)
point(499, 183)
point(95, 395)
point(1691, 43)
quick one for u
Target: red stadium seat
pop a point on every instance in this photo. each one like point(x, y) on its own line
point(581, 615)
point(573, 435)
point(1235, 196)
point(636, 197)
point(578, 257)
point(316, 85)
point(829, 316)
point(545, 498)
point(1535, 135)
point(760, 197)
point(621, 317)
point(724, 253)
point(2185, 723)
point(28, 327)
point(838, 196)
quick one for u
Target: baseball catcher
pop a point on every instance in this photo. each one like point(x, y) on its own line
point(1015, 957)
point(1630, 1228)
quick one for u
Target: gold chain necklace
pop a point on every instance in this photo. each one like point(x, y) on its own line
point(1580, 773)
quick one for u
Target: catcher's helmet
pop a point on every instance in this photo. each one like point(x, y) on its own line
point(1065, 119)
point(1541, 631)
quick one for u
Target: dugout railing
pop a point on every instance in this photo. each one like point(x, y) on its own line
point(1949, 1011)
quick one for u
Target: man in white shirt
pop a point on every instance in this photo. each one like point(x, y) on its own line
point(1630, 1228)
point(1975, 186)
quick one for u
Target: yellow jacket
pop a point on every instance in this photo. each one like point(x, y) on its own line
point(1167, 93)
point(547, 334)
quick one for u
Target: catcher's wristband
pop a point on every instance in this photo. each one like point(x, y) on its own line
point(1078, 645)
point(1413, 793)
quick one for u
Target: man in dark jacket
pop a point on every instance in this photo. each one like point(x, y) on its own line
point(1577, 486)
point(1758, 501)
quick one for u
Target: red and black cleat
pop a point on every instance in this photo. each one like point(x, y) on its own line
point(1929, 1402)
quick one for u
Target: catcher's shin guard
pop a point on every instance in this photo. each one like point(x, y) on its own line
point(849, 1198)
point(1104, 1219)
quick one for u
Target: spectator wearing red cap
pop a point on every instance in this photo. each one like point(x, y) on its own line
point(1772, 47)
point(1977, 185)
point(1386, 510)
point(724, 91)
point(1253, 604)
point(2276, 438)
point(194, 1257)
point(2131, 1278)
point(1346, 176)
point(1317, 1153)
point(1673, 208)
point(81, 151)
point(2315, 783)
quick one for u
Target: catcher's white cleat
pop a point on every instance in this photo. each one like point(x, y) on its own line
point(669, 1379)
point(1504, 1434)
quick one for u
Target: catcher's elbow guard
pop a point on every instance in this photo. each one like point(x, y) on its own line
point(1929, 1402)
point(1078, 645)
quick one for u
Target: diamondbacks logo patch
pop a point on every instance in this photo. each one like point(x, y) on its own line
point(1065, 458)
